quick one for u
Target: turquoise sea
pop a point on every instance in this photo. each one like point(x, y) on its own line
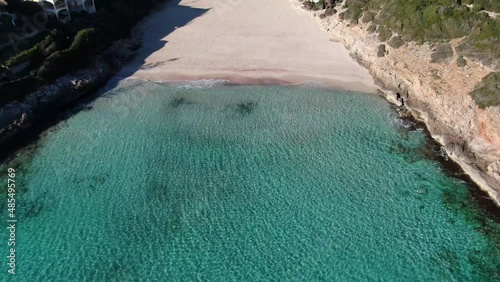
point(205, 181)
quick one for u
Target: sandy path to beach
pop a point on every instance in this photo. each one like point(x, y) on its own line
point(258, 41)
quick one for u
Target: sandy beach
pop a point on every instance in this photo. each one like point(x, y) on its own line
point(259, 41)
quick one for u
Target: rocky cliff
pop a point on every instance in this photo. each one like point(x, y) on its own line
point(19, 116)
point(434, 83)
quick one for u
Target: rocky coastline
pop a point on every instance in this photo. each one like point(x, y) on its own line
point(19, 117)
point(436, 92)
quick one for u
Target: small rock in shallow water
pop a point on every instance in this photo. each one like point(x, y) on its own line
point(403, 113)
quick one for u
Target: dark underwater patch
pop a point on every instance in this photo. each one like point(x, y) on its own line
point(447, 261)
point(486, 261)
point(246, 107)
point(175, 203)
point(158, 191)
point(22, 166)
point(242, 109)
point(91, 183)
point(408, 153)
point(179, 101)
point(33, 209)
point(470, 203)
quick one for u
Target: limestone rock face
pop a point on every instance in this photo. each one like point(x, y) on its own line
point(435, 85)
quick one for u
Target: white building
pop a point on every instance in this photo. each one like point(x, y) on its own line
point(62, 8)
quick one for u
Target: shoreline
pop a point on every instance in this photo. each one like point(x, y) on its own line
point(453, 120)
point(258, 77)
point(452, 168)
point(472, 173)
point(32, 138)
point(422, 117)
point(459, 158)
point(216, 65)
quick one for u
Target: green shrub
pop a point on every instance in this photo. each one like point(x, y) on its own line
point(484, 43)
point(489, 5)
point(396, 42)
point(354, 9)
point(72, 46)
point(367, 17)
point(25, 56)
point(442, 53)
point(436, 21)
point(85, 42)
point(383, 33)
point(36, 54)
point(81, 53)
point(487, 93)
point(321, 4)
point(372, 28)
point(381, 50)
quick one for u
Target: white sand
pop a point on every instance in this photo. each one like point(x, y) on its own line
point(257, 41)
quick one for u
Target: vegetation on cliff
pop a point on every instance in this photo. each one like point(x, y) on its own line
point(490, 5)
point(488, 91)
point(435, 21)
point(66, 48)
point(475, 22)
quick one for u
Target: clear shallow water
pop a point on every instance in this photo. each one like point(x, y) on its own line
point(242, 183)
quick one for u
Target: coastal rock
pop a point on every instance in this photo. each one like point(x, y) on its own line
point(79, 83)
point(404, 113)
point(494, 169)
point(18, 116)
point(437, 93)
